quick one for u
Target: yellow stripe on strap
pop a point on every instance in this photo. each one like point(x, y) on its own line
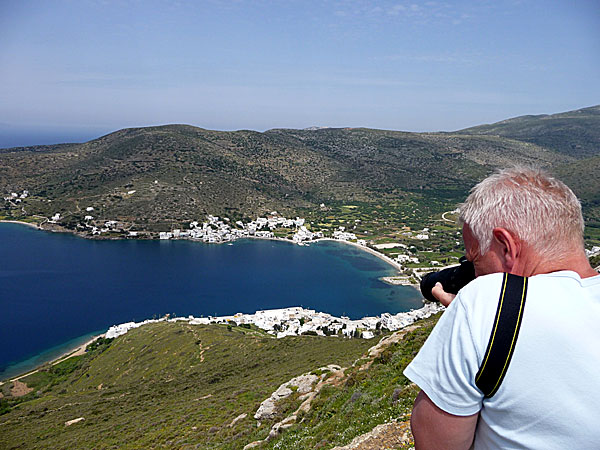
point(504, 334)
point(491, 344)
point(514, 339)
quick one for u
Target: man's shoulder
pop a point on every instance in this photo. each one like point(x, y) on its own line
point(482, 287)
point(479, 302)
point(480, 297)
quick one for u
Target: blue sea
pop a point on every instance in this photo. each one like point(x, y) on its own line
point(56, 290)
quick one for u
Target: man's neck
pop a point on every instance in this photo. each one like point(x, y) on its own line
point(532, 264)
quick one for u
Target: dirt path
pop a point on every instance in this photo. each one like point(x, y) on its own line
point(197, 337)
point(446, 219)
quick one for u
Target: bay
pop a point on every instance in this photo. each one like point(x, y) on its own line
point(57, 289)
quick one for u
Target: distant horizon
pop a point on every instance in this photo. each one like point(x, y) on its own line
point(12, 136)
point(77, 70)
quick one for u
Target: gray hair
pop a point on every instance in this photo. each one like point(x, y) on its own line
point(541, 210)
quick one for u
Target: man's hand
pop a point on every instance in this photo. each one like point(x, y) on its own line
point(435, 429)
point(445, 298)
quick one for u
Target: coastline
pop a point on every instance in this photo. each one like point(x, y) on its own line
point(373, 252)
point(74, 351)
point(260, 318)
point(381, 256)
point(29, 224)
point(80, 348)
point(77, 351)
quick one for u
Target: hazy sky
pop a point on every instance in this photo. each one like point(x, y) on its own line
point(86, 66)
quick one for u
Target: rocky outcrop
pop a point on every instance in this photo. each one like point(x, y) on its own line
point(384, 436)
point(237, 419)
point(307, 386)
point(384, 343)
point(68, 423)
point(302, 384)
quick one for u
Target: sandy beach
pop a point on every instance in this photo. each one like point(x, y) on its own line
point(32, 225)
point(381, 256)
point(387, 259)
point(77, 351)
point(396, 265)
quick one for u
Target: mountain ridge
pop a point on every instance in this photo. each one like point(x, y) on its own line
point(180, 172)
point(574, 133)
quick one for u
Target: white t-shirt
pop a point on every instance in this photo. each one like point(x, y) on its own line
point(550, 395)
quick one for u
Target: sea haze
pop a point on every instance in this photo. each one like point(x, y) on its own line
point(56, 288)
point(11, 136)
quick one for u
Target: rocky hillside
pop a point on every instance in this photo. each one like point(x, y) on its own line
point(175, 385)
point(573, 133)
point(176, 173)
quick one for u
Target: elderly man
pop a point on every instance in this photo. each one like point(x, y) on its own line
point(519, 226)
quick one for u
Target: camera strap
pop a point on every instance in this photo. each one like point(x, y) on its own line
point(504, 334)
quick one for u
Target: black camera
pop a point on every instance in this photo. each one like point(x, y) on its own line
point(453, 278)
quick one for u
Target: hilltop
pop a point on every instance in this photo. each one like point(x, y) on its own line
point(573, 133)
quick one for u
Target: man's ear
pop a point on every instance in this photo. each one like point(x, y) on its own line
point(509, 247)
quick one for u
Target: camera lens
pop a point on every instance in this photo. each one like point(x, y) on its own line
point(453, 279)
